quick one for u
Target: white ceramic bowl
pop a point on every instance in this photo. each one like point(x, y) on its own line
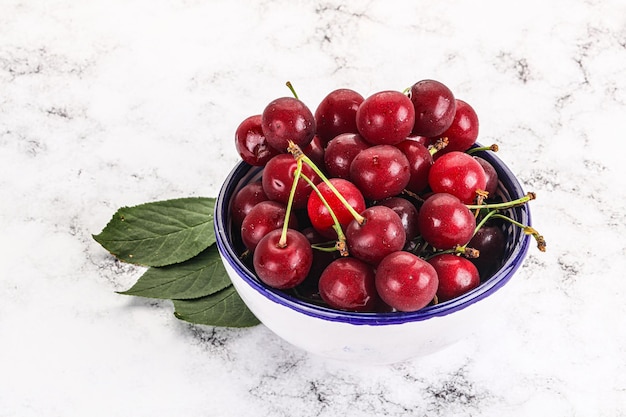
point(373, 338)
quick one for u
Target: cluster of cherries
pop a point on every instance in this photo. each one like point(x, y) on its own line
point(371, 204)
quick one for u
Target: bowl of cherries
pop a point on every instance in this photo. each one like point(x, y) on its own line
point(372, 229)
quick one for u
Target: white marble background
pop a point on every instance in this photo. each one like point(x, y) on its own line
point(112, 103)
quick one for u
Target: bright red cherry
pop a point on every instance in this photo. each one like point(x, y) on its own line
point(420, 161)
point(251, 143)
point(340, 152)
point(278, 177)
point(319, 215)
point(262, 219)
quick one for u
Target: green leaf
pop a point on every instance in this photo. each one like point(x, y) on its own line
point(197, 277)
point(224, 308)
point(160, 233)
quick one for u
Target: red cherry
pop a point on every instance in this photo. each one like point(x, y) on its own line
point(463, 131)
point(278, 177)
point(434, 107)
point(348, 284)
point(287, 119)
point(379, 235)
point(251, 143)
point(405, 281)
point(380, 171)
point(340, 152)
point(457, 275)
point(262, 219)
point(336, 114)
point(385, 118)
point(444, 222)
point(319, 215)
point(420, 161)
point(283, 267)
point(245, 199)
point(459, 174)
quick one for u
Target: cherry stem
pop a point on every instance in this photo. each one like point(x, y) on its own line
point(296, 177)
point(541, 242)
point(341, 238)
point(293, 91)
point(507, 204)
point(299, 155)
point(493, 148)
point(438, 145)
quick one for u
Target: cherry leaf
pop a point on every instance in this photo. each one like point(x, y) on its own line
point(160, 233)
point(197, 277)
point(224, 308)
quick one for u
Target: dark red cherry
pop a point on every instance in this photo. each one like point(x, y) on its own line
point(251, 143)
point(492, 176)
point(379, 235)
point(407, 213)
point(457, 276)
point(385, 118)
point(278, 177)
point(444, 222)
point(348, 284)
point(490, 241)
point(463, 131)
point(315, 151)
point(262, 219)
point(336, 114)
point(280, 266)
point(405, 281)
point(245, 199)
point(420, 161)
point(434, 106)
point(287, 119)
point(340, 152)
point(380, 171)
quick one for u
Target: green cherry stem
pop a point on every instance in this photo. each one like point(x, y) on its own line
point(298, 154)
point(507, 204)
point(541, 242)
point(293, 90)
point(341, 238)
point(296, 177)
point(493, 148)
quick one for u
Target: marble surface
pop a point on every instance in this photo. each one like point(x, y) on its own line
point(111, 103)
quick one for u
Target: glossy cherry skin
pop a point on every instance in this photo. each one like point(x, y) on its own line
point(336, 114)
point(251, 143)
point(262, 219)
point(407, 213)
point(348, 284)
point(457, 276)
point(283, 267)
point(459, 174)
point(315, 151)
point(340, 152)
point(444, 222)
point(319, 215)
point(463, 131)
point(380, 234)
point(434, 105)
point(385, 118)
point(420, 161)
point(245, 199)
point(490, 241)
point(380, 171)
point(405, 281)
point(278, 177)
point(492, 176)
point(287, 119)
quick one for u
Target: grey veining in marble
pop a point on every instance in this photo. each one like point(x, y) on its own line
point(105, 104)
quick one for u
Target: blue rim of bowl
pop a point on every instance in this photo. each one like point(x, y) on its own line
point(243, 173)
